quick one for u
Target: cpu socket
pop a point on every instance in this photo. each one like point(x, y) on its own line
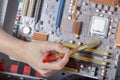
point(99, 26)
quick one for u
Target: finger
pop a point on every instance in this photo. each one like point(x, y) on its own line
point(65, 59)
point(58, 64)
point(46, 53)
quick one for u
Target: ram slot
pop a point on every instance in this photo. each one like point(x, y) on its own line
point(59, 15)
point(86, 59)
point(71, 70)
point(31, 8)
point(25, 7)
point(99, 52)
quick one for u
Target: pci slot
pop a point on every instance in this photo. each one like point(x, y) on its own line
point(31, 8)
point(25, 7)
point(86, 59)
point(37, 14)
point(59, 15)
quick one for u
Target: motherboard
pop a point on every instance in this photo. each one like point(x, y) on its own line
point(74, 23)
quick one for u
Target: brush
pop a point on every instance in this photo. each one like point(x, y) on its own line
point(92, 44)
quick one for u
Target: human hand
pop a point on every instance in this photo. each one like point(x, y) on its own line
point(34, 52)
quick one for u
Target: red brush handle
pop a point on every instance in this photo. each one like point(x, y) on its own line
point(49, 58)
point(52, 58)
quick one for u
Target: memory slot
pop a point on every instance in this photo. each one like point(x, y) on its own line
point(25, 7)
point(31, 8)
point(71, 70)
point(59, 15)
point(86, 59)
point(99, 52)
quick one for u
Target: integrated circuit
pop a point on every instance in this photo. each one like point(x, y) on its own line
point(99, 26)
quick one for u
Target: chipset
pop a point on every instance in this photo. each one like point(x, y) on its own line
point(99, 26)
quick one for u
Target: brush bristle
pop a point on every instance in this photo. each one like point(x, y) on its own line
point(93, 43)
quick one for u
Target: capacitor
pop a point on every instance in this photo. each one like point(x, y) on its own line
point(77, 36)
point(51, 32)
point(70, 17)
point(26, 30)
point(89, 68)
point(109, 12)
point(97, 10)
point(72, 1)
point(78, 12)
point(105, 57)
point(103, 11)
point(109, 33)
point(71, 7)
point(46, 5)
point(83, 3)
point(72, 42)
point(103, 71)
point(81, 66)
point(103, 67)
point(79, 43)
point(112, 20)
point(115, 46)
point(103, 74)
point(70, 11)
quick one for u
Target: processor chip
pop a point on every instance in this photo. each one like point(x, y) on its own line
point(100, 26)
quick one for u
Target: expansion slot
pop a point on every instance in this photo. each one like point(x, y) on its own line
point(31, 8)
point(38, 10)
point(59, 15)
point(89, 50)
point(25, 7)
point(86, 59)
